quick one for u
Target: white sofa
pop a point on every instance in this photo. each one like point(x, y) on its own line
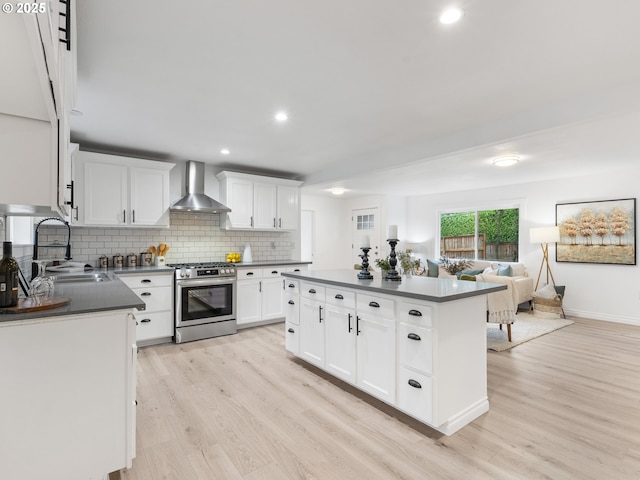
point(520, 282)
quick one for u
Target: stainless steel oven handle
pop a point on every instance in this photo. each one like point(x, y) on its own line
point(205, 281)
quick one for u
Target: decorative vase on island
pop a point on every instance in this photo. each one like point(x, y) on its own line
point(8, 277)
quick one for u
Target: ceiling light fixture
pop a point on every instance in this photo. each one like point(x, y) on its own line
point(281, 116)
point(337, 190)
point(506, 160)
point(451, 16)
point(225, 151)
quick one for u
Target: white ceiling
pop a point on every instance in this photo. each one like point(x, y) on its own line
point(380, 95)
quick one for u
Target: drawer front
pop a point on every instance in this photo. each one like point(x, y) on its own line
point(153, 325)
point(135, 281)
point(246, 273)
point(415, 347)
point(415, 394)
point(156, 299)
point(312, 290)
point(416, 313)
point(297, 268)
point(292, 287)
point(292, 309)
point(272, 272)
point(340, 297)
point(373, 305)
point(292, 338)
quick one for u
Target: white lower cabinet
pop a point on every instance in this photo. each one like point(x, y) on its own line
point(376, 356)
point(155, 324)
point(68, 395)
point(312, 332)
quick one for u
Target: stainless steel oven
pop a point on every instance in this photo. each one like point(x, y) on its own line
point(205, 301)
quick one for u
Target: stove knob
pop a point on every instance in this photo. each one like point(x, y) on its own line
point(181, 274)
point(231, 270)
point(188, 274)
point(225, 270)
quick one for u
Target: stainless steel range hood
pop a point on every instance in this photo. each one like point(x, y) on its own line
point(195, 200)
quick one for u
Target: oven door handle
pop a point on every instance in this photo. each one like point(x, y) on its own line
point(205, 282)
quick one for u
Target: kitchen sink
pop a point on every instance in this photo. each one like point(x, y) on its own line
point(81, 278)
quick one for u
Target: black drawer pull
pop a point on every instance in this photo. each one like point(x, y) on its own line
point(146, 280)
point(291, 330)
point(413, 336)
point(319, 313)
point(297, 270)
point(291, 285)
point(145, 294)
point(291, 302)
point(374, 304)
point(145, 320)
point(249, 274)
point(312, 290)
point(349, 323)
point(274, 272)
point(414, 383)
point(415, 313)
point(339, 297)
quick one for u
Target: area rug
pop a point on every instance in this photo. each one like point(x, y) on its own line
point(526, 327)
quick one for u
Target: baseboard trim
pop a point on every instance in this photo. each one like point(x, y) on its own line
point(603, 316)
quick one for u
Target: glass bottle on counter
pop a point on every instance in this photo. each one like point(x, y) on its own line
point(8, 277)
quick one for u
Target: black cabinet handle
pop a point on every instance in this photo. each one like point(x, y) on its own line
point(145, 294)
point(357, 325)
point(291, 302)
point(413, 336)
point(248, 274)
point(414, 383)
point(415, 313)
point(145, 280)
point(312, 290)
point(339, 297)
point(319, 313)
point(374, 304)
point(145, 320)
point(291, 285)
point(291, 330)
point(349, 323)
point(274, 272)
point(296, 270)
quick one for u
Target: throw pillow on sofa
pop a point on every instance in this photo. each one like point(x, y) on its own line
point(505, 271)
point(469, 272)
point(432, 268)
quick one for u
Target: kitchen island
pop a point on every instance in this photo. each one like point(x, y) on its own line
point(418, 344)
point(69, 383)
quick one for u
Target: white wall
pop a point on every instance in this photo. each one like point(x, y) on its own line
point(605, 292)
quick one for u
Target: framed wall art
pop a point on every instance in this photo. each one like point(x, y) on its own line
point(597, 232)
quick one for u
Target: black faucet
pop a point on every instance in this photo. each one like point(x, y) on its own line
point(67, 247)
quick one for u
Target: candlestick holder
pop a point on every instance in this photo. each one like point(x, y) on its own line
point(364, 273)
point(393, 274)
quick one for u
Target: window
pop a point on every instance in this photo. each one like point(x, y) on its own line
point(480, 234)
point(20, 230)
point(365, 222)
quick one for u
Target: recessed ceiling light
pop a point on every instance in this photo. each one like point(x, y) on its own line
point(225, 151)
point(281, 116)
point(451, 16)
point(337, 190)
point(506, 160)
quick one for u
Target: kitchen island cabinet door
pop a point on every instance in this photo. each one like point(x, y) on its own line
point(340, 341)
point(376, 356)
point(312, 334)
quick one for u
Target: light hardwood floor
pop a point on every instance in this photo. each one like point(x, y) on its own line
point(563, 406)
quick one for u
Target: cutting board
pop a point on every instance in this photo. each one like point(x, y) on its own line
point(32, 305)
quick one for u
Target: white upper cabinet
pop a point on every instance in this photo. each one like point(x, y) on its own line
point(259, 203)
point(120, 191)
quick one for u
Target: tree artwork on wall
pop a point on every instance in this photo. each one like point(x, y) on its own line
point(597, 232)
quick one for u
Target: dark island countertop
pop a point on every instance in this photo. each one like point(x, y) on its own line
point(421, 288)
point(86, 297)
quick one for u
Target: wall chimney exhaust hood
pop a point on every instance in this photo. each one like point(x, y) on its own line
point(195, 200)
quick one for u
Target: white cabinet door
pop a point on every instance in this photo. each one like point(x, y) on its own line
point(264, 206)
point(340, 342)
point(288, 207)
point(239, 198)
point(312, 331)
point(273, 293)
point(104, 194)
point(292, 338)
point(376, 356)
point(149, 196)
point(249, 304)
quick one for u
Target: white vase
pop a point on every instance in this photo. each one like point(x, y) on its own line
point(246, 255)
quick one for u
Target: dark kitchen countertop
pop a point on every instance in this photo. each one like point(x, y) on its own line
point(86, 298)
point(421, 288)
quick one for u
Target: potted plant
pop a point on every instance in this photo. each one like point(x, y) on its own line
point(454, 266)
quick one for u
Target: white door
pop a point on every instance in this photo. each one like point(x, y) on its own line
point(149, 199)
point(273, 291)
point(288, 207)
point(306, 235)
point(312, 331)
point(105, 194)
point(366, 223)
point(340, 342)
point(264, 206)
point(240, 197)
point(376, 356)
point(249, 305)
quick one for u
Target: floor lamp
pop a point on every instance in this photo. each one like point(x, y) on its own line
point(544, 236)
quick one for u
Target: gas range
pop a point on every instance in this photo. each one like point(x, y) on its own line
point(203, 270)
